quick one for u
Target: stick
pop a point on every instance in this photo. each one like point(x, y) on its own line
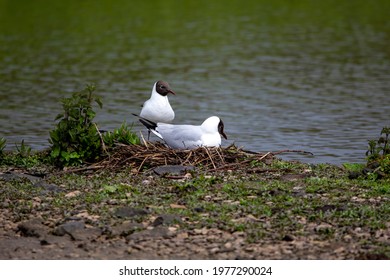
point(292, 151)
point(101, 140)
point(207, 151)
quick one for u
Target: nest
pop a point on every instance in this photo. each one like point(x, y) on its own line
point(151, 155)
point(155, 154)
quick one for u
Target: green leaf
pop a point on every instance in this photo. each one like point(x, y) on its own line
point(55, 152)
point(59, 116)
point(99, 102)
point(110, 189)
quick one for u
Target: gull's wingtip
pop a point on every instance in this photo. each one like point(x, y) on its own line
point(147, 123)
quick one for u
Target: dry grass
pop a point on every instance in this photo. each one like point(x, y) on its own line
point(156, 154)
point(153, 154)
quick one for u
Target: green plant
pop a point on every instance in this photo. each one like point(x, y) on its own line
point(2, 145)
point(76, 138)
point(123, 135)
point(378, 154)
point(376, 147)
point(23, 150)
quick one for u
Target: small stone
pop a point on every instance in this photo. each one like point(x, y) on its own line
point(69, 228)
point(32, 228)
point(182, 235)
point(166, 219)
point(214, 250)
point(47, 188)
point(339, 250)
point(129, 212)
point(158, 221)
point(126, 228)
point(288, 238)
point(172, 169)
point(177, 206)
point(73, 194)
point(172, 229)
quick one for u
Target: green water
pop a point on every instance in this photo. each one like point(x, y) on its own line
point(310, 75)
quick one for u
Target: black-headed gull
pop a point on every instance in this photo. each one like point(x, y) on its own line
point(157, 108)
point(184, 136)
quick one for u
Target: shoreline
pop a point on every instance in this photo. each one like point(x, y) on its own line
point(258, 209)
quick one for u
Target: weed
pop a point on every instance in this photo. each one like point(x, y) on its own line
point(201, 182)
point(2, 145)
point(23, 150)
point(378, 156)
point(353, 167)
point(24, 157)
point(382, 145)
point(76, 138)
point(123, 135)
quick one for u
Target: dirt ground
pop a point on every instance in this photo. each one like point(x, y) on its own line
point(33, 226)
point(83, 236)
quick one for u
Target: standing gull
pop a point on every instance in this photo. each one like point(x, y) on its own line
point(157, 107)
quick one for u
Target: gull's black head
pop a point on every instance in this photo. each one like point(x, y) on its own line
point(163, 88)
point(220, 129)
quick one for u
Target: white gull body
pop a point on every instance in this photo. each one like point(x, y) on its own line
point(184, 136)
point(157, 108)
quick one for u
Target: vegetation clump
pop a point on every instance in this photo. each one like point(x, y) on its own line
point(123, 135)
point(378, 155)
point(2, 146)
point(76, 138)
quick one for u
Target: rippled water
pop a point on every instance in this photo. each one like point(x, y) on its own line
point(280, 75)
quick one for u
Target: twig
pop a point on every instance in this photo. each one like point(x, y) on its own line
point(142, 163)
point(220, 156)
point(101, 140)
point(292, 151)
point(143, 139)
point(265, 155)
point(208, 152)
point(87, 168)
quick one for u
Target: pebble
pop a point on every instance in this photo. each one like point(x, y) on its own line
point(73, 194)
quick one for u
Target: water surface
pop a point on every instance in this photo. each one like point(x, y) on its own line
point(305, 75)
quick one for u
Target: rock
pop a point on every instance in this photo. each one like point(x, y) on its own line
point(69, 228)
point(129, 212)
point(155, 233)
point(326, 208)
point(158, 221)
point(199, 209)
point(173, 169)
point(47, 188)
point(126, 228)
point(354, 174)
point(166, 219)
point(177, 206)
point(292, 177)
point(35, 180)
point(84, 215)
point(288, 238)
point(73, 194)
point(32, 228)
point(323, 227)
point(77, 230)
point(11, 176)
